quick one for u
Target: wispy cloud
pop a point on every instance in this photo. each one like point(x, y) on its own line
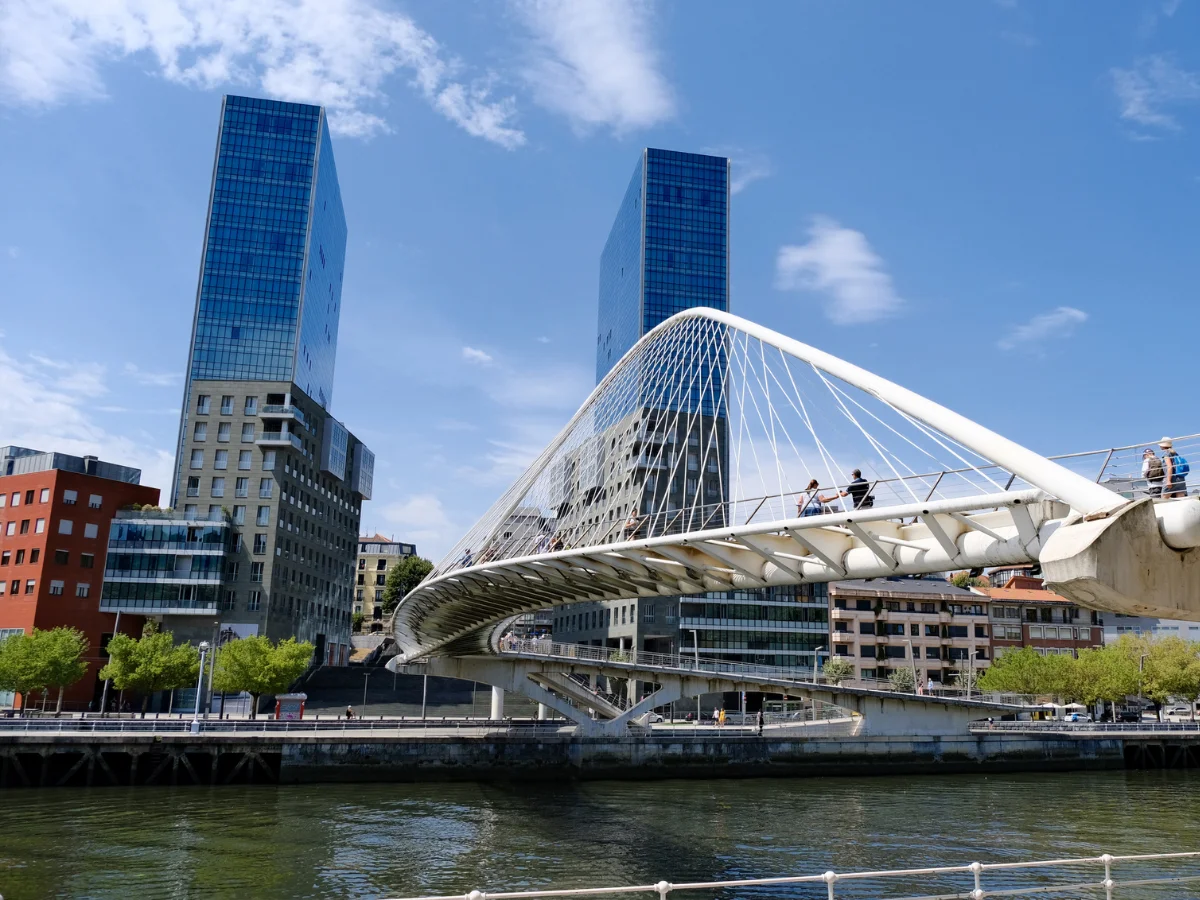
point(48, 405)
point(470, 354)
point(746, 166)
point(12, 251)
point(594, 61)
point(1055, 325)
point(152, 379)
point(1153, 83)
point(339, 53)
point(1019, 38)
point(421, 518)
point(840, 264)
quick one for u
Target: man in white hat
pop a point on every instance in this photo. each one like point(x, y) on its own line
point(1175, 468)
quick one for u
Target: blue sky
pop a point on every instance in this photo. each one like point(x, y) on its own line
point(993, 203)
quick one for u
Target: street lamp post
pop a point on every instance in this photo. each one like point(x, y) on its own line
point(208, 691)
point(696, 656)
point(1141, 668)
point(816, 661)
point(104, 693)
point(912, 659)
point(199, 688)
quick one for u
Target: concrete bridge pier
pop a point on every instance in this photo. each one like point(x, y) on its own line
point(497, 704)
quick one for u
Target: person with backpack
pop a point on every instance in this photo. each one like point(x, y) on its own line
point(1175, 470)
point(1152, 472)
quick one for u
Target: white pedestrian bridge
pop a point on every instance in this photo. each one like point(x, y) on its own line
point(720, 455)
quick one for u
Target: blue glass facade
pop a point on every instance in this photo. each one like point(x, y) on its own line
point(270, 285)
point(668, 249)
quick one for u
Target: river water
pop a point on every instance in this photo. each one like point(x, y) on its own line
point(402, 840)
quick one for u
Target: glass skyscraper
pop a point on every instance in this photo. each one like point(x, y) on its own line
point(668, 249)
point(271, 276)
point(259, 448)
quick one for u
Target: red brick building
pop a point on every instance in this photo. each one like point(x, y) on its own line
point(1024, 614)
point(55, 512)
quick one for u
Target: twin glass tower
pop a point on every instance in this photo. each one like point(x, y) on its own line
point(258, 447)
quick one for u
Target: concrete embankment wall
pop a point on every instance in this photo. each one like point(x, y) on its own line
point(32, 760)
point(517, 758)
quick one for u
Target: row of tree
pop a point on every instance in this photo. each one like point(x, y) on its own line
point(57, 658)
point(1156, 668)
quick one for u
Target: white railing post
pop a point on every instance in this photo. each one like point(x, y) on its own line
point(1108, 879)
point(663, 888)
point(977, 870)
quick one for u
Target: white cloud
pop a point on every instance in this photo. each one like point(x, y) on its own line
point(594, 62)
point(47, 406)
point(839, 263)
point(12, 251)
point(558, 388)
point(1151, 84)
point(338, 53)
point(1057, 324)
point(746, 166)
point(421, 518)
point(543, 340)
point(152, 379)
point(476, 356)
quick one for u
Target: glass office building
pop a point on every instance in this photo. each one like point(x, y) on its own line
point(270, 288)
point(668, 249)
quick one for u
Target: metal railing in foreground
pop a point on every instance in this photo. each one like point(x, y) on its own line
point(1008, 879)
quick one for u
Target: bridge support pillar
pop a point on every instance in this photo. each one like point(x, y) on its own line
point(543, 713)
point(1124, 561)
point(497, 704)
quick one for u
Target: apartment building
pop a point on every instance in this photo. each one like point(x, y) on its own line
point(377, 556)
point(55, 511)
point(1024, 614)
point(882, 624)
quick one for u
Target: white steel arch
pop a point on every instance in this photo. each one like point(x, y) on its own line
point(649, 490)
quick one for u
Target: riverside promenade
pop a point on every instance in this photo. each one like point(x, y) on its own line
point(72, 752)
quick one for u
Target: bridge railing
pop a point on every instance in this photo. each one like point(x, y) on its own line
point(1111, 877)
point(1056, 725)
point(1119, 468)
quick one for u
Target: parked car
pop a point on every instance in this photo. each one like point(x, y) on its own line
point(1077, 717)
point(1179, 711)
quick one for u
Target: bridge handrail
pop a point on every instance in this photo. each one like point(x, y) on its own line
point(1088, 727)
point(974, 871)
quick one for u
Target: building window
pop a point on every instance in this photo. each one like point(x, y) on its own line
point(244, 460)
point(264, 488)
point(203, 401)
point(264, 516)
point(61, 558)
point(358, 595)
point(379, 596)
point(381, 564)
point(56, 588)
point(223, 431)
point(362, 563)
point(256, 572)
point(20, 557)
point(5, 557)
point(95, 501)
point(30, 586)
point(86, 560)
point(260, 543)
point(227, 405)
point(214, 512)
point(39, 527)
point(43, 498)
point(255, 600)
point(10, 529)
point(251, 408)
point(268, 460)
point(24, 526)
point(218, 487)
point(229, 601)
point(239, 513)
point(232, 569)
point(82, 589)
point(189, 510)
point(197, 461)
point(360, 579)
point(91, 530)
point(247, 432)
point(65, 526)
point(200, 431)
point(222, 460)
point(69, 498)
point(193, 486)
point(241, 487)
point(381, 579)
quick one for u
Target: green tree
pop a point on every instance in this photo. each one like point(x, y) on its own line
point(356, 622)
point(405, 576)
point(252, 664)
point(1172, 669)
point(967, 580)
point(41, 660)
point(62, 651)
point(20, 668)
point(151, 663)
point(837, 669)
point(902, 680)
point(1105, 674)
point(966, 677)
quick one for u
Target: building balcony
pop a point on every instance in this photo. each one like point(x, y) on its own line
point(843, 636)
point(141, 576)
point(277, 439)
point(159, 607)
point(278, 411)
